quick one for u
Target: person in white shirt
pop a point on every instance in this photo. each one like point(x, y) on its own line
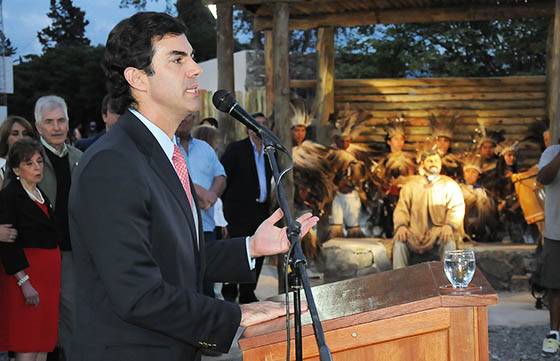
point(549, 176)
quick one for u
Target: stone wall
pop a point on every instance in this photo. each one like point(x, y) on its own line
point(507, 267)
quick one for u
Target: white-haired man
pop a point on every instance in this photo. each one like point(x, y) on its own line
point(429, 214)
point(51, 120)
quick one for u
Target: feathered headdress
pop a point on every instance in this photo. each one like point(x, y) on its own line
point(441, 127)
point(483, 134)
point(472, 161)
point(299, 113)
point(353, 122)
point(395, 126)
point(507, 146)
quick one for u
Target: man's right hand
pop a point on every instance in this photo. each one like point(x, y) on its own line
point(402, 234)
point(30, 294)
point(257, 312)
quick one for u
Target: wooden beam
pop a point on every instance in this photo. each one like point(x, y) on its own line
point(282, 88)
point(324, 91)
point(554, 78)
point(224, 54)
point(264, 2)
point(269, 71)
point(415, 15)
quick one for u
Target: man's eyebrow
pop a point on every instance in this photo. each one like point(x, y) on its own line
point(178, 52)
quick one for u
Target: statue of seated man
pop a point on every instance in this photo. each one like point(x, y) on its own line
point(429, 215)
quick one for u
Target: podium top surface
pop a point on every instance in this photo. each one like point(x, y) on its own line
point(378, 296)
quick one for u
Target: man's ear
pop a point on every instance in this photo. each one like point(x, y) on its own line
point(136, 78)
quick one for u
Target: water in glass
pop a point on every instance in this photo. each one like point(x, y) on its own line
point(459, 267)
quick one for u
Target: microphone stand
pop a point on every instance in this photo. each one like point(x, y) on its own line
point(298, 276)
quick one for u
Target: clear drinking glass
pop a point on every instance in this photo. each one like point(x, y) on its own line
point(459, 266)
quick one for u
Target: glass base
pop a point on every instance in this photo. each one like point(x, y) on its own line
point(450, 289)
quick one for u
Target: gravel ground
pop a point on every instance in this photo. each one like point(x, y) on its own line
point(517, 344)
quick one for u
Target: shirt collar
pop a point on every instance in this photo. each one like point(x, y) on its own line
point(164, 141)
point(255, 147)
point(53, 150)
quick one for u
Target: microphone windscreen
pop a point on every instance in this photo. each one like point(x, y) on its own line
point(223, 100)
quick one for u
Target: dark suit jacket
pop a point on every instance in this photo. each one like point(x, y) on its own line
point(35, 229)
point(240, 196)
point(138, 268)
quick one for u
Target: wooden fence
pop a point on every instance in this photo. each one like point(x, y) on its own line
point(508, 103)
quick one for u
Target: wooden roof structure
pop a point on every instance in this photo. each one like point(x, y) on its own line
point(306, 14)
point(277, 17)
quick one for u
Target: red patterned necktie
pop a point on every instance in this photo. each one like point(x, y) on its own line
point(183, 172)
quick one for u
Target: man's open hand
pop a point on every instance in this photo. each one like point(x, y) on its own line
point(257, 312)
point(269, 239)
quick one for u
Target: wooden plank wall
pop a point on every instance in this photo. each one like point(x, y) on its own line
point(509, 103)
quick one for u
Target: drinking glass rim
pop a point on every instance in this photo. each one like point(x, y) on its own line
point(460, 251)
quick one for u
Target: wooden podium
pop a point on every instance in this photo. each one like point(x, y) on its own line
point(405, 315)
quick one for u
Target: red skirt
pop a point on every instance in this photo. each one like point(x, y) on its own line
point(26, 328)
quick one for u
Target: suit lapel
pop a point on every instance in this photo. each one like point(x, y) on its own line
point(31, 209)
point(159, 162)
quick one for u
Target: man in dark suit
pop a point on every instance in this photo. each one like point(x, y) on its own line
point(135, 224)
point(109, 117)
point(246, 199)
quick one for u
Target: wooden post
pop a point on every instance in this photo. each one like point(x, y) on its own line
point(553, 77)
point(224, 53)
point(324, 95)
point(269, 70)
point(281, 54)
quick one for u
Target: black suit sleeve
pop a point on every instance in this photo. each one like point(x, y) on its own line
point(12, 255)
point(228, 160)
point(118, 243)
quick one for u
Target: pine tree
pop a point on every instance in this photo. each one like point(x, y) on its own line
point(67, 27)
point(6, 48)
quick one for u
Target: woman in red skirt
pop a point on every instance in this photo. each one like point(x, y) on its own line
point(30, 278)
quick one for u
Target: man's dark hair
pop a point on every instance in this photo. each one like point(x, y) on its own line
point(211, 121)
point(256, 115)
point(22, 151)
point(108, 105)
point(130, 45)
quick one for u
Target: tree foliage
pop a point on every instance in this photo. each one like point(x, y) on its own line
point(6, 48)
point(489, 48)
point(72, 72)
point(67, 28)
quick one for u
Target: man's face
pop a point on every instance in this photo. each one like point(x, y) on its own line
point(185, 128)
point(53, 127)
point(110, 119)
point(396, 143)
point(546, 138)
point(342, 142)
point(443, 144)
point(298, 134)
point(254, 137)
point(173, 85)
point(487, 150)
point(471, 176)
point(432, 164)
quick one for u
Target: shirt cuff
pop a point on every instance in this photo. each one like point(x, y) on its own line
point(250, 260)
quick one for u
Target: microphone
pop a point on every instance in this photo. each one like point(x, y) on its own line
point(225, 102)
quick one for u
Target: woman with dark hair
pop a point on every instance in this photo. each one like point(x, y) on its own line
point(13, 129)
point(510, 212)
point(30, 278)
